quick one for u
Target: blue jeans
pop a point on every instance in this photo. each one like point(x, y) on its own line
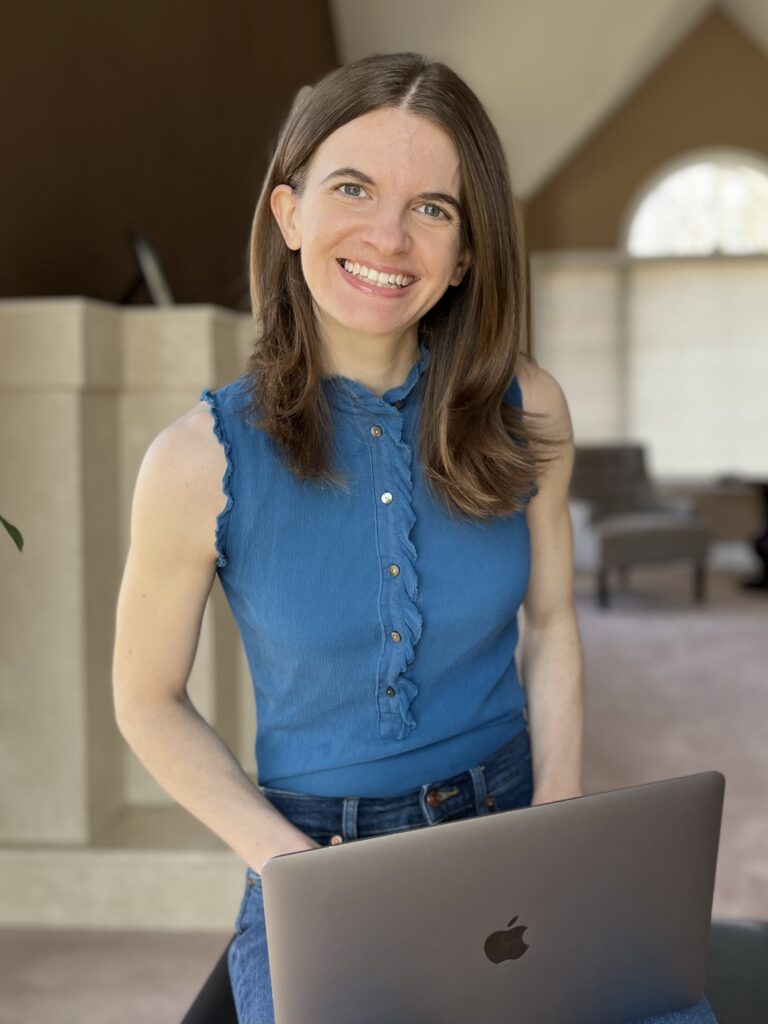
point(501, 783)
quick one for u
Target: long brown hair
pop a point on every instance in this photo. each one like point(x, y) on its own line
point(481, 455)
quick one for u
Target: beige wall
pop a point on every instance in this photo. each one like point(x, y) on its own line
point(711, 91)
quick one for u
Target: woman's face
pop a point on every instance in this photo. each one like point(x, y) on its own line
point(371, 199)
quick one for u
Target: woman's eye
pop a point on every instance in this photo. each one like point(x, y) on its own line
point(350, 184)
point(440, 210)
point(441, 214)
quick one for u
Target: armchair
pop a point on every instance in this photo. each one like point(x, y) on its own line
point(619, 521)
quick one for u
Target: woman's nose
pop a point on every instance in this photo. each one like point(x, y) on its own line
point(386, 230)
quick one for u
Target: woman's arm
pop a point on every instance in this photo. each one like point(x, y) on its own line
point(552, 657)
point(167, 579)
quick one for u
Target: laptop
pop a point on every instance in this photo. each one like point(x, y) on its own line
point(592, 910)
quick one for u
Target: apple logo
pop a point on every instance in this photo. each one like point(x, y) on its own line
point(506, 945)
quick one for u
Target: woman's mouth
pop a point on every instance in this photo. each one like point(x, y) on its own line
point(374, 278)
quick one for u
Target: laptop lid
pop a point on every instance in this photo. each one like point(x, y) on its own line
point(592, 910)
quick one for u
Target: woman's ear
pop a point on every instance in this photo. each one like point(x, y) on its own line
point(284, 204)
point(462, 267)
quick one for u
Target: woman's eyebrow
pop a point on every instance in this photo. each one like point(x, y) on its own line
point(351, 172)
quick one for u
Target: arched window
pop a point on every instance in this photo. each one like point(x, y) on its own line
point(665, 340)
point(695, 341)
point(709, 203)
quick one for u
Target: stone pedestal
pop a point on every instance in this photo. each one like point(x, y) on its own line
point(85, 386)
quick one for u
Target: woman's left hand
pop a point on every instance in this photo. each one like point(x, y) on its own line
point(541, 796)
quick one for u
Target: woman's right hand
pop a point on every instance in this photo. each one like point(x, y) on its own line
point(168, 576)
point(303, 844)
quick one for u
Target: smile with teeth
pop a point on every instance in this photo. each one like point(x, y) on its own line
point(375, 277)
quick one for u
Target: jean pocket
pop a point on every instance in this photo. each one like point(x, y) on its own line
point(251, 906)
point(513, 793)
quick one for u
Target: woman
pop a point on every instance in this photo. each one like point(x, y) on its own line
point(375, 501)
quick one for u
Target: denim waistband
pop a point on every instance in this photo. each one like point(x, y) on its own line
point(469, 792)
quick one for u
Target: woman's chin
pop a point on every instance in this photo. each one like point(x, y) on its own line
point(372, 326)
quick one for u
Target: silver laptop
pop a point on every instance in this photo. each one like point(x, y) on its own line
point(593, 910)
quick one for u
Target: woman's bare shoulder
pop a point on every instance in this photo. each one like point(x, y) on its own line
point(182, 472)
point(189, 445)
point(541, 392)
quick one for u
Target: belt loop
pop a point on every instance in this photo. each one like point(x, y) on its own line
point(349, 817)
point(426, 810)
point(478, 782)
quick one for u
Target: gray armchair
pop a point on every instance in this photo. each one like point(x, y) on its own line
point(619, 521)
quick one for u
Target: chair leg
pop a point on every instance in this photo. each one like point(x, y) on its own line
point(214, 1001)
point(602, 589)
point(699, 581)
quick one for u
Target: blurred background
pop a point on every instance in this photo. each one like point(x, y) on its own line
point(135, 140)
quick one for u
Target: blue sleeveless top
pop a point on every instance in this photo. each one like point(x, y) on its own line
point(380, 628)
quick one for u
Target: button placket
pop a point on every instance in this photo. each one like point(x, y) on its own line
point(396, 691)
point(391, 476)
point(394, 570)
point(383, 471)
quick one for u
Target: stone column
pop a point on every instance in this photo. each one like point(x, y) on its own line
point(60, 752)
point(85, 387)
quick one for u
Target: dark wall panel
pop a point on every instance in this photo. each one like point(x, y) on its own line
point(159, 114)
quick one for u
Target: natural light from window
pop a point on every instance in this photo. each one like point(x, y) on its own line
point(664, 341)
point(716, 206)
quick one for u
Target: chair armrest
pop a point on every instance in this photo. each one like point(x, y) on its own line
point(581, 512)
point(586, 555)
point(683, 506)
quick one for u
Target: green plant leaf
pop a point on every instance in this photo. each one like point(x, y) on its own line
point(14, 532)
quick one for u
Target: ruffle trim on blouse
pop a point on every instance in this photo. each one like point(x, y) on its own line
point(531, 494)
point(222, 518)
point(406, 603)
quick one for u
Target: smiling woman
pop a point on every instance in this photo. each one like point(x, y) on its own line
point(376, 502)
point(375, 178)
point(390, 243)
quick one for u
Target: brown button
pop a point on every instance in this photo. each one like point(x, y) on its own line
point(376, 430)
point(335, 840)
point(398, 403)
point(395, 636)
point(394, 570)
point(490, 802)
point(433, 798)
point(390, 692)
